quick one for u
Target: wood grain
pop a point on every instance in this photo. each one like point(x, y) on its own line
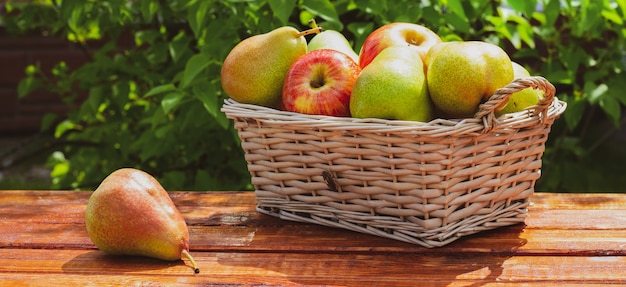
point(573, 239)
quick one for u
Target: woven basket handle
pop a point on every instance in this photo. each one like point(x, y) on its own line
point(486, 110)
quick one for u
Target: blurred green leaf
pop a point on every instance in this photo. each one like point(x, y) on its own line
point(458, 22)
point(552, 9)
point(611, 106)
point(360, 31)
point(160, 90)
point(206, 93)
point(48, 120)
point(325, 10)
point(63, 127)
point(27, 86)
point(91, 106)
point(456, 16)
point(612, 16)
point(171, 101)
point(575, 110)
point(179, 46)
point(456, 7)
point(153, 76)
point(282, 9)
point(148, 10)
point(172, 179)
point(523, 6)
point(60, 169)
point(197, 16)
point(194, 66)
point(616, 89)
point(590, 17)
point(595, 92)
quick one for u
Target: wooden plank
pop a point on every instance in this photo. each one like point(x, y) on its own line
point(63, 267)
point(313, 238)
point(550, 210)
point(228, 221)
point(579, 201)
point(568, 239)
point(540, 200)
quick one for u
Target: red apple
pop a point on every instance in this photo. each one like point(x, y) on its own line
point(416, 36)
point(320, 83)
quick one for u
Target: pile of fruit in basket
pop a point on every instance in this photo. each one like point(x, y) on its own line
point(403, 71)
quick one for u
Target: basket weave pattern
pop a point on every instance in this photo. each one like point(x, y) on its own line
point(423, 183)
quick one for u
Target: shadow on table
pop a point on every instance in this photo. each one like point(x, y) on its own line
point(99, 262)
point(471, 261)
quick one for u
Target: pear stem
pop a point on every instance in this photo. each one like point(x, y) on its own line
point(313, 23)
point(315, 30)
point(193, 262)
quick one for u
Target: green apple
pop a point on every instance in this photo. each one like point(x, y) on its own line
point(519, 71)
point(331, 39)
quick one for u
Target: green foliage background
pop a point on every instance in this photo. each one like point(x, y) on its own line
point(150, 95)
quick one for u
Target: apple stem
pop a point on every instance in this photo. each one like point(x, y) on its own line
point(315, 30)
point(193, 262)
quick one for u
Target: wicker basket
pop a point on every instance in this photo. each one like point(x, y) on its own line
point(423, 183)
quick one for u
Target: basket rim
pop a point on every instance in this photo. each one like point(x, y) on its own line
point(489, 123)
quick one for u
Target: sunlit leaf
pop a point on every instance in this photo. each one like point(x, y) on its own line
point(64, 127)
point(60, 169)
point(595, 92)
point(612, 16)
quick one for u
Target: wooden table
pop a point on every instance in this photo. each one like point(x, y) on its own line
point(576, 239)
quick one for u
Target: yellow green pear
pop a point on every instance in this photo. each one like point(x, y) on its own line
point(392, 86)
point(460, 75)
point(254, 70)
point(131, 214)
point(334, 40)
point(520, 100)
